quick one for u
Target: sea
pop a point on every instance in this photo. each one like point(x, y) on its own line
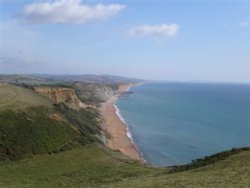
point(175, 123)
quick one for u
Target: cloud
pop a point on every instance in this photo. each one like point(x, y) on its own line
point(244, 24)
point(159, 32)
point(68, 12)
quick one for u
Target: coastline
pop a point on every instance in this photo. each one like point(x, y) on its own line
point(120, 138)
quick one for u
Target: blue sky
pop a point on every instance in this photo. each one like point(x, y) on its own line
point(175, 40)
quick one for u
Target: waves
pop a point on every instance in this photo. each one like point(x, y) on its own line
point(117, 111)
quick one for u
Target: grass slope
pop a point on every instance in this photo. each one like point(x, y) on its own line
point(91, 167)
point(87, 121)
point(33, 132)
point(30, 124)
point(18, 98)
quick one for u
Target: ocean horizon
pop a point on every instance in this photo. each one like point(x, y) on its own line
point(175, 123)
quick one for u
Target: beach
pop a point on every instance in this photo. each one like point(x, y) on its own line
point(117, 129)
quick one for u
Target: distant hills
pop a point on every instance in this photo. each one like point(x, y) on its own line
point(50, 79)
point(87, 78)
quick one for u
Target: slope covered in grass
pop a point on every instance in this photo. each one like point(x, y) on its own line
point(30, 124)
point(91, 167)
point(18, 98)
point(33, 132)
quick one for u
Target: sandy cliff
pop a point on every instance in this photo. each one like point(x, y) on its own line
point(65, 95)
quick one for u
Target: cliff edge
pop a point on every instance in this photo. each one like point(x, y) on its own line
point(60, 94)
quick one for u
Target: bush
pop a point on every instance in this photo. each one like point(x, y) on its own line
point(208, 160)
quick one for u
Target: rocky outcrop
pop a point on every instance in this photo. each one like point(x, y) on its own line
point(60, 94)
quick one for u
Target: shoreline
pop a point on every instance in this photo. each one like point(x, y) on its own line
point(120, 138)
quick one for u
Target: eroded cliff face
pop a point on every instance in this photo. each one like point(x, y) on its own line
point(60, 94)
point(105, 93)
point(93, 93)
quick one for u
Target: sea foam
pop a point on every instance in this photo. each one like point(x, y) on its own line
point(129, 135)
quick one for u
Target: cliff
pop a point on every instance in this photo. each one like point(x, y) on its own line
point(60, 94)
point(94, 93)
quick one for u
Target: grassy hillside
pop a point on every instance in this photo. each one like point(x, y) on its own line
point(33, 132)
point(91, 167)
point(85, 78)
point(50, 79)
point(30, 124)
point(28, 80)
point(19, 98)
point(86, 121)
point(231, 172)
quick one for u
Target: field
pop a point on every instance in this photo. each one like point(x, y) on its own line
point(18, 98)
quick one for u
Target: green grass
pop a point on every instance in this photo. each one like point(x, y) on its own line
point(84, 167)
point(232, 172)
point(33, 132)
point(19, 98)
point(27, 126)
point(30, 80)
point(85, 120)
point(207, 160)
point(91, 167)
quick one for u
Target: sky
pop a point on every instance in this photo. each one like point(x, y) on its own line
point(172, 40)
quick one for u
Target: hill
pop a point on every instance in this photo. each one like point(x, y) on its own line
point(86, 78)
point(18, 98)
point(91, 167)
point(50, 79)
point(32, 124)
point(27, 80)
